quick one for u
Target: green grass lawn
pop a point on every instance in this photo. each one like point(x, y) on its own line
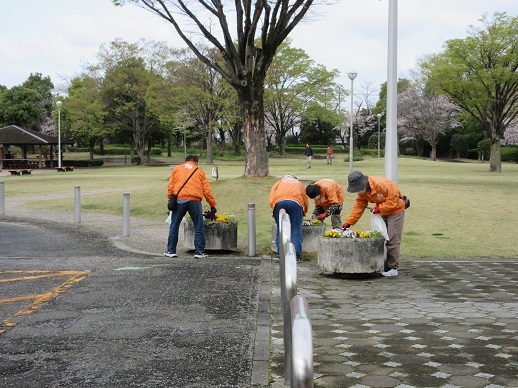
point(458, 209)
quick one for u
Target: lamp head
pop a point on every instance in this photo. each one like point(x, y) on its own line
point(59, 103)
point(379, 115)
point(352, 75)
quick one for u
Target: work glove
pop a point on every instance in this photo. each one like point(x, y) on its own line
point(376, 209)
point(322, 216)
point(213, 209)
point(346, 225)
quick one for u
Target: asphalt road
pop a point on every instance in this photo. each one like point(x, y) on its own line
point(77, 311)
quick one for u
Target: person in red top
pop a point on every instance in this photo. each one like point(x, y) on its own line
point(290, 194)
point(329, 197)
point(189, 201)
point(329, 155)
point(389, 203)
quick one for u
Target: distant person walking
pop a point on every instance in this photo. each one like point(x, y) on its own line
point(309, 154)
point(329, 155)
point(189, 201)
point(290, 194)
point(389, 203)
point(329, 197)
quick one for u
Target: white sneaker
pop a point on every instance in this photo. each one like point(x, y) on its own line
point(170, 254)
point(200, 255)
point(390, 273)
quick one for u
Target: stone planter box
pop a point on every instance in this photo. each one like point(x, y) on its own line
point(310, 236)
point(218, 235)
point(351, 255)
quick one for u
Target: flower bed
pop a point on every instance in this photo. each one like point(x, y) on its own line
point(311, 232)
point(220, 231)
point(351, 251)
point(347, 233)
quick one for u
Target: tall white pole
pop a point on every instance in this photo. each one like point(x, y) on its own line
point(391, 142)
point(379, 133)
point(352, 76)
point(58, 103)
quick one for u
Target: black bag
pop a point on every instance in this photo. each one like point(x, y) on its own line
point(406, 200)
point(172, 203)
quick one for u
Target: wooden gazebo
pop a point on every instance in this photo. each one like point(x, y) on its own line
point(15, 135)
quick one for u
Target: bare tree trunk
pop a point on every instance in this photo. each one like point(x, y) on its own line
point(91, 148)
point(210, 154)
point(433, 156)
point(252, 113)
point(495, 159)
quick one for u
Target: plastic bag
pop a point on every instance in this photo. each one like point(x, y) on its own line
point(377, 223)
point(168, 221)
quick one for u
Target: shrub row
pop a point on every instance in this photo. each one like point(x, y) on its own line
point(115, 150)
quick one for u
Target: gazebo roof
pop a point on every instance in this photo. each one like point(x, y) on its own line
point(15, 135)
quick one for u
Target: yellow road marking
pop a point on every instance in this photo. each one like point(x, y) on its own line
point(38, 299)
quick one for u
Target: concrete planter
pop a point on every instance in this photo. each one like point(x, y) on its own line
point(310, 236)
point(351, 255)
point(218, 235)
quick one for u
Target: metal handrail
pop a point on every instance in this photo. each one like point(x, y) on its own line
point(295, 332)
point(301, 344)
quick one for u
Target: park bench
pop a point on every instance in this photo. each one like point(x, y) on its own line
point(64, 169)
point(20, 172)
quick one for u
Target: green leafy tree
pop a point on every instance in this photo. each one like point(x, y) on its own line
point(124, 90)
point(259, 28)
point(21, 106)
point(83, 112)
point(480, 74)
point(292, 82)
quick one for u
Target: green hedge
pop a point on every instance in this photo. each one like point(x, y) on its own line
point(76, 163)
point(116, 150)
point(317, 149)
point(509, 154)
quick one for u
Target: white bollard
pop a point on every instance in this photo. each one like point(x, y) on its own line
point(125, 214)
point(77, 201)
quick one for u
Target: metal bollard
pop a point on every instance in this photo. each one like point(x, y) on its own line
point(2, 199)
point(126, 214)
point(251, 230)
point(301, 345)
point(77, 201)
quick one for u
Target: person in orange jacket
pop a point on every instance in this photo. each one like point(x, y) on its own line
point(329, 197)
point(389, 203)
point(189, 201)
point(290, 194)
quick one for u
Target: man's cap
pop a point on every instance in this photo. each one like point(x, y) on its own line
point(357, 182)
point(312, 190)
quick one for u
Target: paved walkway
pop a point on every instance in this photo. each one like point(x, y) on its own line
point(439, 324)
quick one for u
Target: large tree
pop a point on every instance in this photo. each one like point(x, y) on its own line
point(480, 74)
point(293, 81)
point(425, 115)
point(260, 27)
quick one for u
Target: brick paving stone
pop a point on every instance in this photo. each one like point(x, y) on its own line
point(447, 324)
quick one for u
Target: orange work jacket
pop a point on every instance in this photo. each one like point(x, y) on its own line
point(196, 188)
point(383, 192)
point(330, 193)
point(291, 189)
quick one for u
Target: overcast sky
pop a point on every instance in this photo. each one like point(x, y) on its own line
point(56, 37)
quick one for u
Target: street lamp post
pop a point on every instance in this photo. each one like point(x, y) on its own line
point(351, 76)
point(59, 103)
point(379, 117)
